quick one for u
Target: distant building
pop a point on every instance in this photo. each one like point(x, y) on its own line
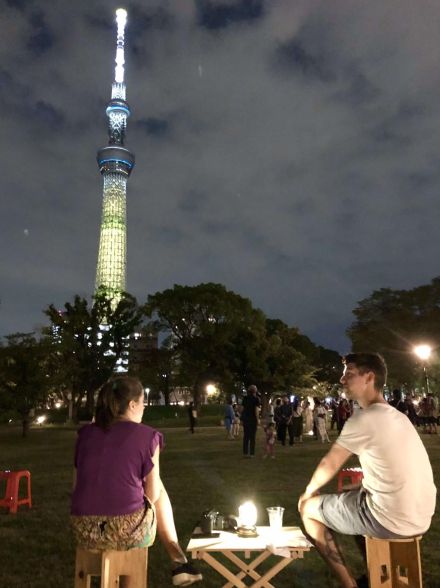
point(140, 345)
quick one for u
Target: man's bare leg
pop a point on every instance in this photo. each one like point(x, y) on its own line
point(323, 539)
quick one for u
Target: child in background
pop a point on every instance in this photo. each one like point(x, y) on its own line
point(271, 436)
point(236, 423)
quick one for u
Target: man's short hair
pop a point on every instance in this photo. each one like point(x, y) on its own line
point(252, 389)
point(369, 362)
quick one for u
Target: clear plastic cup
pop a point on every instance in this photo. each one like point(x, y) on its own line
point(275, 516)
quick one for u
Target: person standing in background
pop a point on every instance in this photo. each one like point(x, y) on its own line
point(286, 424)
point(277, 417)
point(321, 418)
point(229, 419)
point(249, 418)
point(308, 417)
point(297, 420)
point(192, 415)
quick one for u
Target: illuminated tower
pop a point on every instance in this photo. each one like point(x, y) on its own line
point(115, 164)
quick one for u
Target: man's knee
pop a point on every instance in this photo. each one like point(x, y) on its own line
point(309, 508)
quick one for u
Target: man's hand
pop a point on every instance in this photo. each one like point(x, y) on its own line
point(329, 465)
point(305, 496)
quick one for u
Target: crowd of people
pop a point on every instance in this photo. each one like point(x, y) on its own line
point(422, 413)
point(287, 419)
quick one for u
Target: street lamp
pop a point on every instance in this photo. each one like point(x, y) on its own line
point(147, 392)
point(423, 352)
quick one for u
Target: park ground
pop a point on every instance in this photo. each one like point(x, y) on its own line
point(201, 472)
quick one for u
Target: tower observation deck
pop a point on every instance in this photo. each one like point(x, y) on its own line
point(115, 163)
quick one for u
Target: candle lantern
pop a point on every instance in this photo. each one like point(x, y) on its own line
point(247, 520)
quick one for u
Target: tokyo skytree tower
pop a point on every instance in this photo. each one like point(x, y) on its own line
point(115, 164)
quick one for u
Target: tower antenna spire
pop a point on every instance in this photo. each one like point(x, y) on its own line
point(115, 163)
point(121, 21)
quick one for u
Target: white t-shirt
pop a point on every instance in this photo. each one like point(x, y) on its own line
point(397, 472)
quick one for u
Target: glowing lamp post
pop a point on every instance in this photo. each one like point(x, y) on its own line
point(423, 352)
point(211, 389)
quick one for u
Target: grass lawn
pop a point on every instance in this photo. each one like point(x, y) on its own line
point(200, 471)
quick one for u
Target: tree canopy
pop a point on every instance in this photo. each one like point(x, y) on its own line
point(217, 335)
point(206, 334)
point(392, 322)
point(87, 342)
point(24, 380)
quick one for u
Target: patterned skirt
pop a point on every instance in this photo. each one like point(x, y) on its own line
point(119, 532)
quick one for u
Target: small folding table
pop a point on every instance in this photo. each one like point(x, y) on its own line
point(288, 543)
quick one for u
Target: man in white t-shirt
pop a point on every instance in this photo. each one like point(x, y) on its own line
point(397, 496)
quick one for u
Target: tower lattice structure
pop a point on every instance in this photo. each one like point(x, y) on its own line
point(115, 163)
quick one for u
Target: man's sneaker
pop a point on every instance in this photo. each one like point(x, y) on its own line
point(185, 575)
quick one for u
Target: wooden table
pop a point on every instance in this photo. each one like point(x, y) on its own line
point(288, 542)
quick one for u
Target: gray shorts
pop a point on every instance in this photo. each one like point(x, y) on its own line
point(348, 513)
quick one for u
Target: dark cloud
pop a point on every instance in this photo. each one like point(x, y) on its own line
point(18, 4)
point(144, 19)
point(156, 127)
point(19, 101)
point(99, 19)
point(41, 38)
point(216, 14)
point(192, 201)
point(358, 89)
point(47, 114)
point(295, 57)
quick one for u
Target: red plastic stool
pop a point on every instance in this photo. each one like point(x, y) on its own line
point(11, 499)
point(355, 476)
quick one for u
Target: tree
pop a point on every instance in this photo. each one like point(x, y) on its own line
point(157, 369)
point(216, 335)
point(391, 322)
point(329, 366)
point(279, 364)
point(201, 322)
point(88, 342)
point(24, 379)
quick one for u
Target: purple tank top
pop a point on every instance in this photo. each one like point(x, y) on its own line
point(111, 467)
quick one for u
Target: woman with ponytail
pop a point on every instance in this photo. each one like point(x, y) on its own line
point(119, 499)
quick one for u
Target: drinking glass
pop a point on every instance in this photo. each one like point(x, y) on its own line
point(275, 517)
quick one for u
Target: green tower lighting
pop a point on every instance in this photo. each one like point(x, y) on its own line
point(115, 164)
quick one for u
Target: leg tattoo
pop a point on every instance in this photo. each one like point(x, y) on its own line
point(330, 550)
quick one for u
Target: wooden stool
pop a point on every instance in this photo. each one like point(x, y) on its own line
point(11, 498)
point(355, 476)
point(110, 565)
point(388, 558)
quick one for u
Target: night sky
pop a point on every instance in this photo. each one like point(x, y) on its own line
point(288, 149)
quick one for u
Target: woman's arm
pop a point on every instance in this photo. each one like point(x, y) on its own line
point(153, 483)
